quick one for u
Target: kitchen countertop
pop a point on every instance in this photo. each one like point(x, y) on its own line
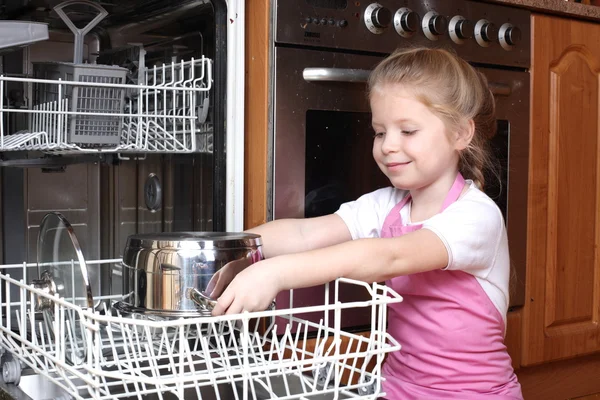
point(558, 7)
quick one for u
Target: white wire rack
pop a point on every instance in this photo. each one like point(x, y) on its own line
point(112, 356)
point(167, 113)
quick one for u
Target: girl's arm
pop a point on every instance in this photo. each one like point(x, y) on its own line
point(285, 236)
point(370, 260)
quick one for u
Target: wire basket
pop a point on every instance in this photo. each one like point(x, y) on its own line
point(206, 357)
point(78, 107)
point(167, 115)
point(99, 127)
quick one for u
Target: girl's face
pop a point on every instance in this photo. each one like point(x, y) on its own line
point(411, 144)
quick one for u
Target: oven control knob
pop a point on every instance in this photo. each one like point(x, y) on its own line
point(377, 18)
point(434, 25)
point(460, 29)
point(485, 32)
point(509, 36)
point(406, 22)
point(381, 17)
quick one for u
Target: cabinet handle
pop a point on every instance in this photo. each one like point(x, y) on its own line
point(335, 75)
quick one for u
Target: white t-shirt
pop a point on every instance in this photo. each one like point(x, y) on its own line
point(471, 228)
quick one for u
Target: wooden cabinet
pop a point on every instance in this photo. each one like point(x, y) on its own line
point(258, 16)
point(560, 319)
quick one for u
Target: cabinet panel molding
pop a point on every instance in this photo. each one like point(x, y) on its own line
point(572, 172)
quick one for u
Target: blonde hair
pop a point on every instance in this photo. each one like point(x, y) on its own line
point(451, 89)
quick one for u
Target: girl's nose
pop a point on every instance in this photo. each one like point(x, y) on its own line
point(391, 143)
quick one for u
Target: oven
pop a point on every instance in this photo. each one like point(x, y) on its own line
point(322, 139)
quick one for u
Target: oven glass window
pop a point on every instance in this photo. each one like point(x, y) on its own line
point(339, 161)
point(496, 184)
point(340, 167)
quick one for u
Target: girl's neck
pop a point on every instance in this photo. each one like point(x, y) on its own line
point(427, 201)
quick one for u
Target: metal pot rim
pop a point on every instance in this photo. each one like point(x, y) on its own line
point(194, 240)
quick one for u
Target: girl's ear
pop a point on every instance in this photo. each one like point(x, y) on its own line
point(465, 135)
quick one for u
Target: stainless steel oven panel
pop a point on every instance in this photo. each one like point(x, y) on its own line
point(303, 24)
point(293, 97)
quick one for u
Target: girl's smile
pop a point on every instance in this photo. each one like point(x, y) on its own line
point(393, 166)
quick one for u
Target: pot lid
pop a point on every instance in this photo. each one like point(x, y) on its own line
point(59, 255)
point(63, 271)
point(194, 240)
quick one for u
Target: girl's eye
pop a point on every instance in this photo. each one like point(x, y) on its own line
point(408, 133)
point(378, 134)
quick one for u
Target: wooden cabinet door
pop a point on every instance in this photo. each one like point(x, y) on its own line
point(562, 308)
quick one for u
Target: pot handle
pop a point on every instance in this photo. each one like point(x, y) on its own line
point(47, 285)
point(200, 299)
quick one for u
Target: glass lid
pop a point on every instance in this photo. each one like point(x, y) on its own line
point(62, 270)
point(60, 258)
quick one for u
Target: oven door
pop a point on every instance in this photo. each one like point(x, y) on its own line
point(510, 146)
point(322, 147)
point(323, 134)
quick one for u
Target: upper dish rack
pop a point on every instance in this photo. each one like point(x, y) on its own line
point(79, 107)
point(96, 114)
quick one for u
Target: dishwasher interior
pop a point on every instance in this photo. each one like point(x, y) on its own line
point(109, 185)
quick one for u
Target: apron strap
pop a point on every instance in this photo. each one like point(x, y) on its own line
point(455, 191)
point(394, 215)
point(393, 218)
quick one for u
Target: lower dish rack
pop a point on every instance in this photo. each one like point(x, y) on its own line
point(101, 354)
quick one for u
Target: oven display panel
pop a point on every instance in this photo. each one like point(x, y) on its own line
point(331, 4)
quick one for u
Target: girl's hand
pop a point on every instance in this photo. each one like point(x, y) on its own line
point(253, 289)
point(224, 276)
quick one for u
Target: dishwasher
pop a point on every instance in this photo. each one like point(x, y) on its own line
point(123, 117)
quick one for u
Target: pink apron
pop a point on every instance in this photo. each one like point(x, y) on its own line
point(451, 333)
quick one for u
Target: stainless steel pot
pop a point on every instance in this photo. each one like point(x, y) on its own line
point(166, 274)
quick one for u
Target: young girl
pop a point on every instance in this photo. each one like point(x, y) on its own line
point(433, 236)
